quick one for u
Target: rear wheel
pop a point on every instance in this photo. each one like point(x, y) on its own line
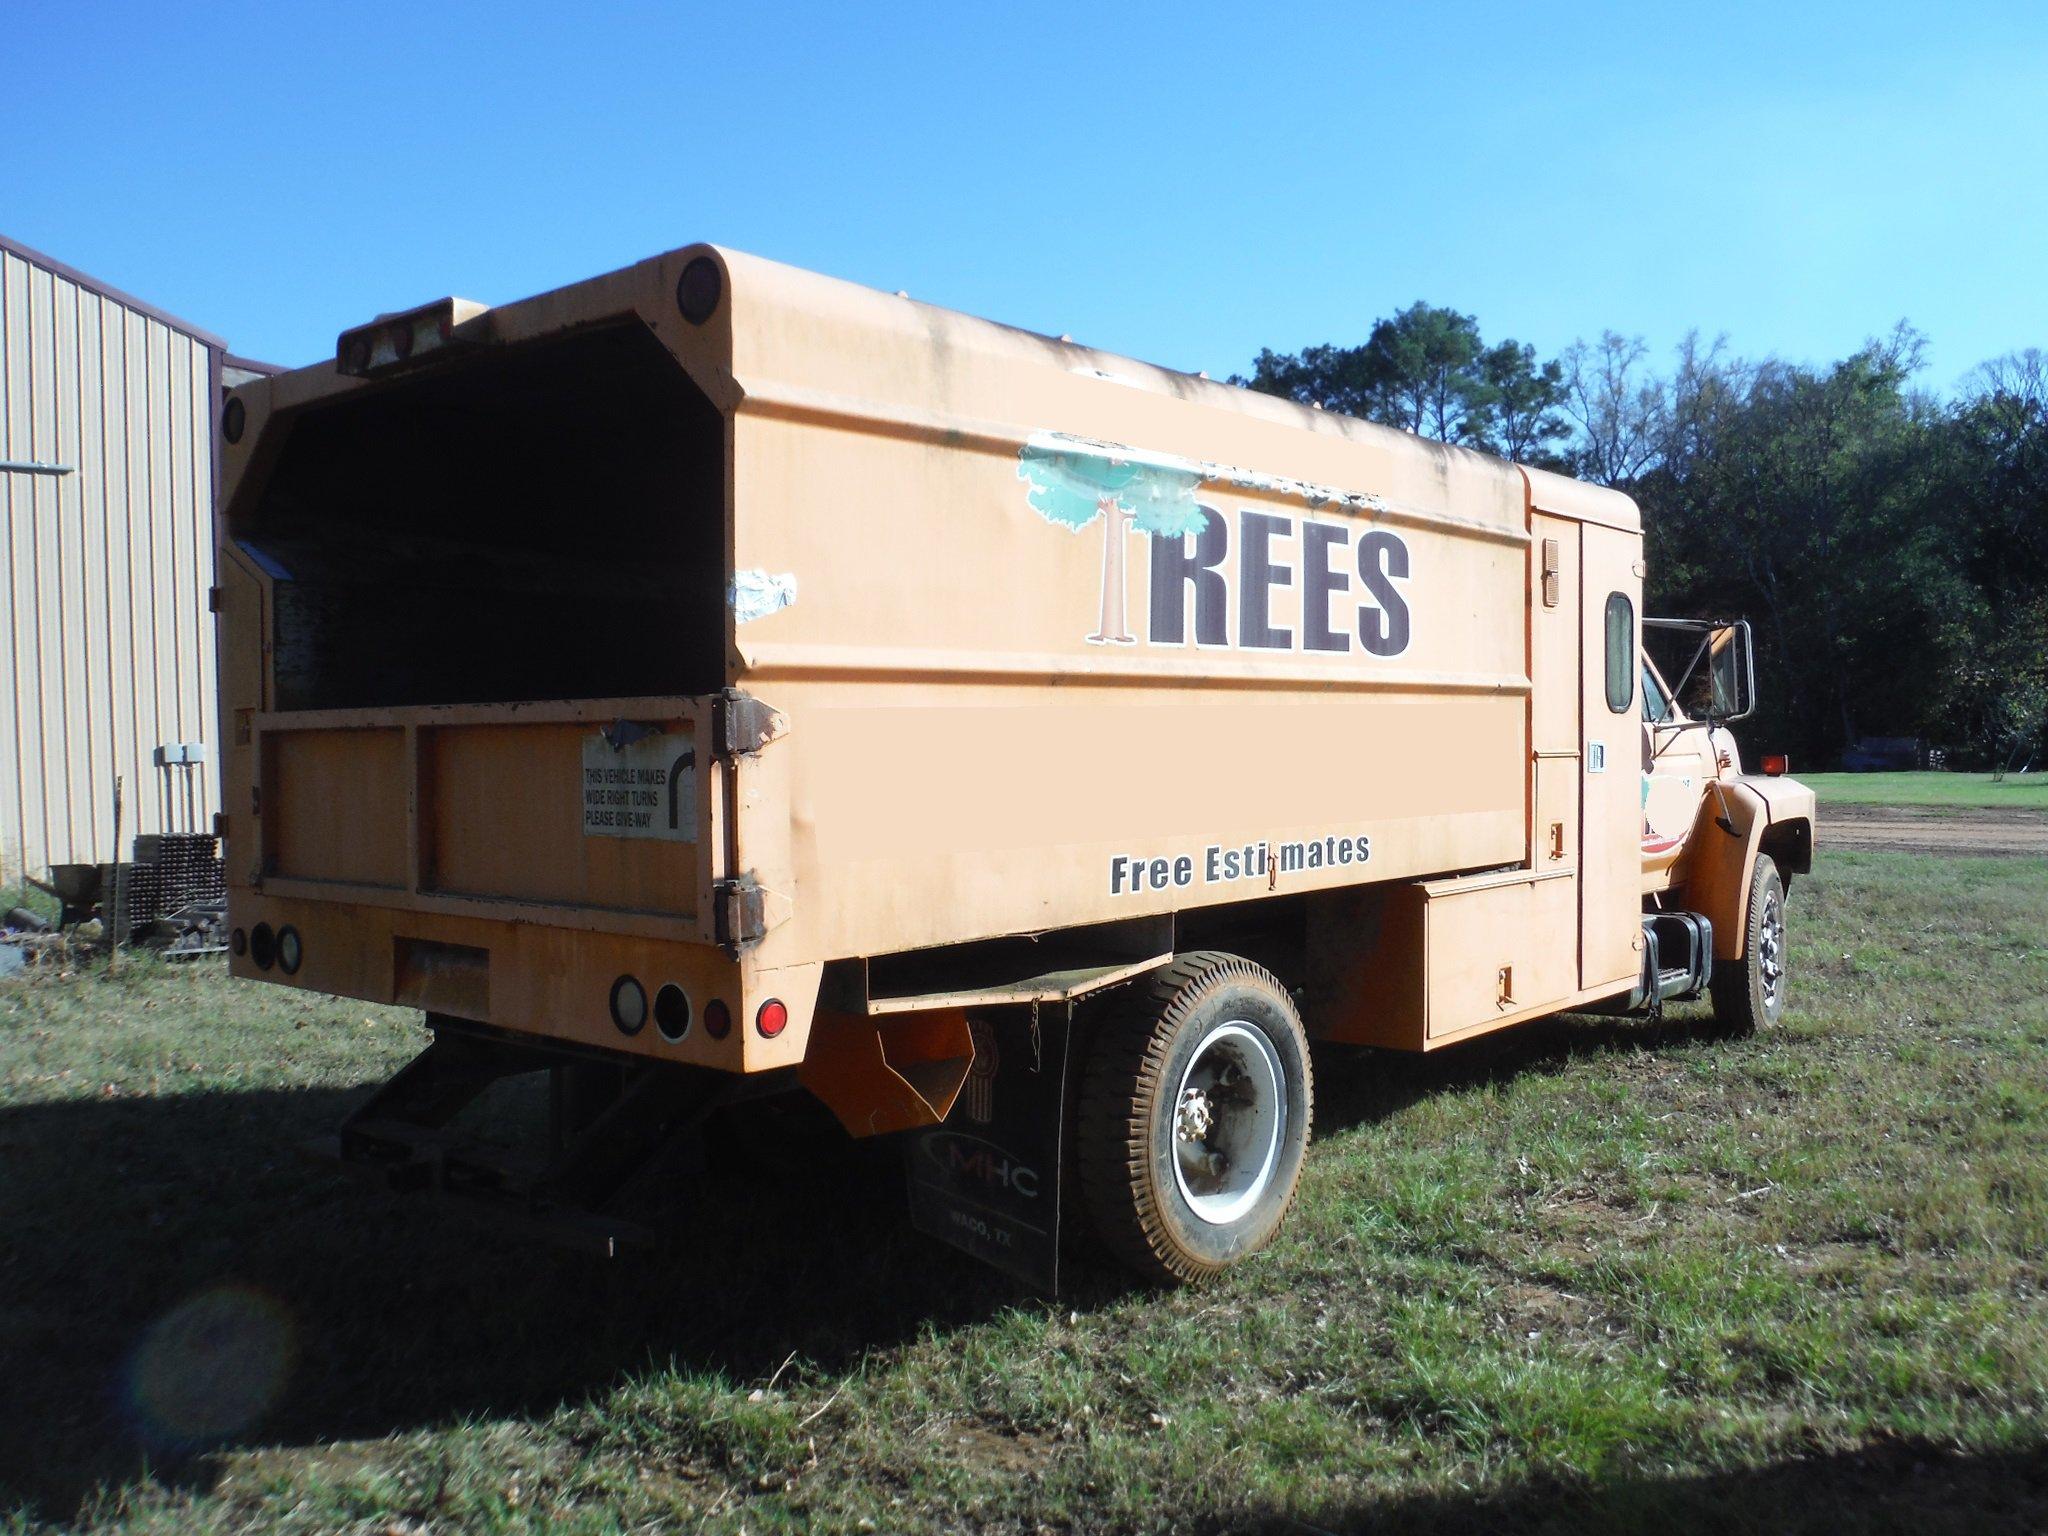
point(1749, 992)
point(1193, 1117)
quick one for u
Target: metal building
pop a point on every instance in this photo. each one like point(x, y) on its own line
point(108, 412)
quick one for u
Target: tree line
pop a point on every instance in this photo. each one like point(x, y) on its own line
point(1890, 546)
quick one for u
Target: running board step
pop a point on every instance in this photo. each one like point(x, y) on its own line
point(1678, 958)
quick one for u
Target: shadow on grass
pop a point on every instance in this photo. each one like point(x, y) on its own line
point(1356, 1085)
point(1901, 1486)
point(175, 1279)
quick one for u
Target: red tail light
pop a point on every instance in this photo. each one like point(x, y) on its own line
point(772, 1019)
point(717, 1019)
point(1776, 764)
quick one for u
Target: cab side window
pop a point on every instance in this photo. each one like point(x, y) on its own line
point(1621, 652)
point(1656, 702)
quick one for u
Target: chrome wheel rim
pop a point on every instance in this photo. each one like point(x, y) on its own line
point(1229, 1119)
point(1770, 951)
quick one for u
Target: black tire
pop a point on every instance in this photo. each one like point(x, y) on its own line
point(1749, 992)
point(1169, 1203)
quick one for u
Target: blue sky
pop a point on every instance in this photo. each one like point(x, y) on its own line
point(1186, 183)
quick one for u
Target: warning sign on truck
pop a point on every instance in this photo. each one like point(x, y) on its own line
point(639, 782)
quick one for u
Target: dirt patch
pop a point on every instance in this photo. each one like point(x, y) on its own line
point(1011, 1452)
point(1530, 1311)
point(1935, 829)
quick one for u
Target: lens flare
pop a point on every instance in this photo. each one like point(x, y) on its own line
point(211, 1366)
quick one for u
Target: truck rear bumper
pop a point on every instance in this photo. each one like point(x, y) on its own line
point(534, 978)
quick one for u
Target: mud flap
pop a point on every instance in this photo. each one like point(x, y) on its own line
point(988, 1179)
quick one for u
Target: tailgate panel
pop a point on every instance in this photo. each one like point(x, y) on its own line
point(573, 808)
point(508, 810)
point(336, 806)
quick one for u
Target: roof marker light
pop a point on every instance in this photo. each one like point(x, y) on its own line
point(411, 337)
point(698, 289)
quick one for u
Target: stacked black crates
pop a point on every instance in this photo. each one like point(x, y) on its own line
point(172, 873)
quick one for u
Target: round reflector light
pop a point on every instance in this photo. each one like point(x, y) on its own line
point(773, 1018)
point(698, 290)
point(233, 417)
point(238, 941)
point(262, 946)
point(672, 1012)
point(289, 950)
point(629, 1005)
point(717, 1019)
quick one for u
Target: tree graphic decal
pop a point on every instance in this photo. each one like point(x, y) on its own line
point(1075, 481)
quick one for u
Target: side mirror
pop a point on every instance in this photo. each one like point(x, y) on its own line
point(1732, 667)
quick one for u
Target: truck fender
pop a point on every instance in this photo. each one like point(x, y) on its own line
point(1738, 821)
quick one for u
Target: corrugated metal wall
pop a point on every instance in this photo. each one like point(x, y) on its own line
point(106, 645)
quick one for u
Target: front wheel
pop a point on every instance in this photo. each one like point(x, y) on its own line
point(1749, 992)
point(1193, 1117)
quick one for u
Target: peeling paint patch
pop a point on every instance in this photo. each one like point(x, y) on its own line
point(1075, 480)
point(756, 594)
point(1113, 378)
point(1061, 447)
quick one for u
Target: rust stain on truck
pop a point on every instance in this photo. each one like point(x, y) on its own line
point(671, 684)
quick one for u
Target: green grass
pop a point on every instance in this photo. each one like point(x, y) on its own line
point(1589, 1275)
point(1973, 791)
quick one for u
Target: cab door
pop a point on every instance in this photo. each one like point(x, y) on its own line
point(1555, 641)
point(1612, 763)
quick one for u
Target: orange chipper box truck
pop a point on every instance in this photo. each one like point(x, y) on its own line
point(713, 678)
